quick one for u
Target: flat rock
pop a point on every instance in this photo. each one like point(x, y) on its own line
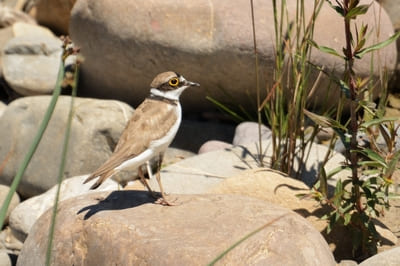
point(200, 173)
point(273, 187)
point(126, 228)
point(210, 42)
point(25, 214)
point(390, 257)
point(96, 127)
point(173, 155)
point(31, 62)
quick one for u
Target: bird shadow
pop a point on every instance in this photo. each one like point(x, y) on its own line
point(118, 200)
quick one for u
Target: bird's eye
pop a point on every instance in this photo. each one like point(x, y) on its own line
point(173, 82)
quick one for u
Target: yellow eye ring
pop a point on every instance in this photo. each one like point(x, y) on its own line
point(173, 82)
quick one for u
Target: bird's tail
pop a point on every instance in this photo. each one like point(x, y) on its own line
point(102, 177)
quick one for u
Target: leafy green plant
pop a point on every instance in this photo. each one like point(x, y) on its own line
point(287, 98)
point(365, 194)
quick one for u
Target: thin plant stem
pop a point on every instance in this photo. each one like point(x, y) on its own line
point(260, 151)
point(353, 109)
point(33, 147)
point(62, 166)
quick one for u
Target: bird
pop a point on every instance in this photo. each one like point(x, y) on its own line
point(149, 132)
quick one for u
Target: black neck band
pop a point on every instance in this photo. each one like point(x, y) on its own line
point(163, 99)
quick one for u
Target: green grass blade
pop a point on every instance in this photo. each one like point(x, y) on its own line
point(220, 256)
point(226, 109)
point(35, 144)
point(62, 167)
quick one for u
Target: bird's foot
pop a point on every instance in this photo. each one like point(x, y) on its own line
point(163, 201)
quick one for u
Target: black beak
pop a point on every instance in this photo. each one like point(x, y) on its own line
point(192, 84)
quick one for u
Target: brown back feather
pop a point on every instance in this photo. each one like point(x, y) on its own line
point(132, 142)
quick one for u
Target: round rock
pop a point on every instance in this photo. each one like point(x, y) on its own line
point(31, 63)
point(25, 214)
point(247, 132)
point(96, 127)
point(15, 200)
point(390, 257)
point(127, 228)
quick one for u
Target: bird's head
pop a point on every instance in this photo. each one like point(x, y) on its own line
point(170, 85)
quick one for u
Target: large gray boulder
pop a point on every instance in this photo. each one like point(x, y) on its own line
point(209, 42)
point(126, 228)
point(96, 127)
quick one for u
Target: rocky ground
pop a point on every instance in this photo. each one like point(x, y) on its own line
point(210, 171)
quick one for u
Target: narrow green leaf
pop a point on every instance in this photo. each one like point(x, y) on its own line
point(346, 182)
point(374, 156)
point(367, 192)
point(378, 121)
point(323, 179)
point(226, 109)
point(347, 218)
point(356, 11)
point(323, 121)
point(338, 8)
point(378, 46)
point(370, 164)
point(329, 50)
point(325, 49)
point(338, 193)
point(368, 106)
point(386, 137)
point(392, 166)
point(371, 172)
point(360, 45)
point(336, 170)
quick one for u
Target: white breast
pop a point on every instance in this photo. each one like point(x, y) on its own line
point(160, 145)
point(156, 147)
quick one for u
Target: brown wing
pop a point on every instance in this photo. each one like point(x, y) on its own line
point(150, 117)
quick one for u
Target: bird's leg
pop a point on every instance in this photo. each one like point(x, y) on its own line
point(144, 182)
point(149, 171)
point(162, 201)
